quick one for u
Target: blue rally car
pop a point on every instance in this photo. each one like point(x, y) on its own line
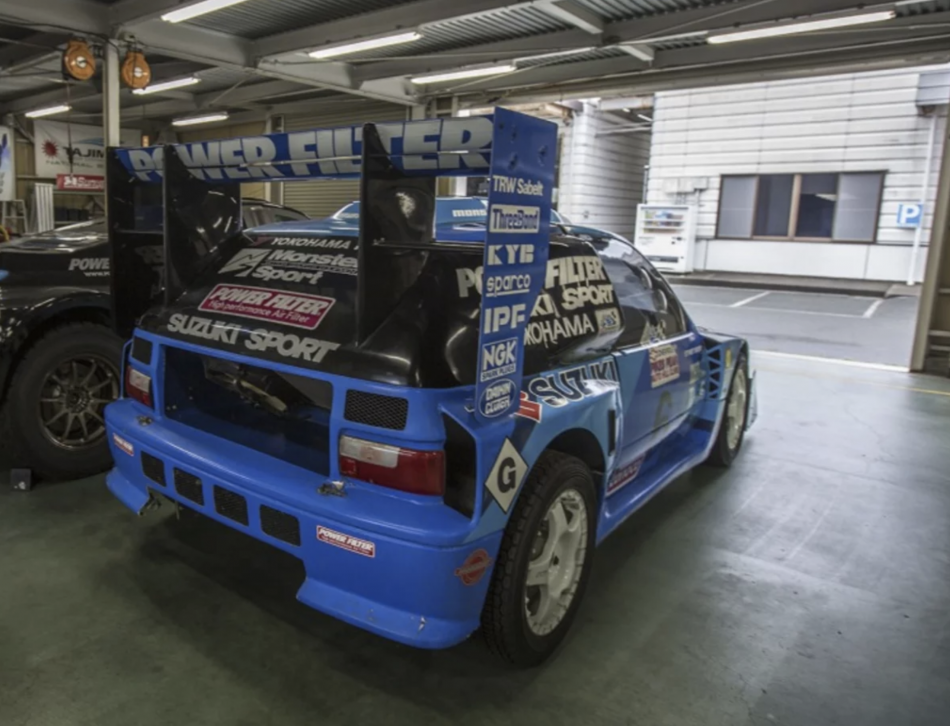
point(441, 427)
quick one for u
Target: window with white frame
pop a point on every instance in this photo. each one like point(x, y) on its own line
point(808, 207)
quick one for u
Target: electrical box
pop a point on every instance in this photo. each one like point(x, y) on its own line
point(666, 235)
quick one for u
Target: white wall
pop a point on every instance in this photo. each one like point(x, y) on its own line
point(601, 177)
point(844, 123)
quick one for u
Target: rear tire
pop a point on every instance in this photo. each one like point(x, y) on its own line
point(732, 429)
point(550, 537)
point(66, 378)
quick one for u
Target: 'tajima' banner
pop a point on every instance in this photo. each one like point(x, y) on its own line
point(56, 144)
point(7, 170)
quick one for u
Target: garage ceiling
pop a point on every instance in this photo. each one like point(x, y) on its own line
point(252, 57)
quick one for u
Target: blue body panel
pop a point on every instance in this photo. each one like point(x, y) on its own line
point(410, 590)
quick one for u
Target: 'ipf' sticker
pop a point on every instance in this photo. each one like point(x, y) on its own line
point(123, 445)
point(347, 542)
point(474, 568)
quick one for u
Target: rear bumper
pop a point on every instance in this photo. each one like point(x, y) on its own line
point(404, 590)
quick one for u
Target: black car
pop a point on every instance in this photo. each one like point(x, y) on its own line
point(59, 357)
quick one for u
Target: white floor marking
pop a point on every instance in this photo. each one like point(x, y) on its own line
point(747, 300)
point(775, 310)
point(873, 308)
point(836, 361)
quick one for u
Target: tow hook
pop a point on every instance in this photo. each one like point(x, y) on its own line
point(333, 489)
point(151, 505)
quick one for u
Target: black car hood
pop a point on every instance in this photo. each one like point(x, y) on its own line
point(77, 255)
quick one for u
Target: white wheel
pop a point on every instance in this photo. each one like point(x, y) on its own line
point(736, 409)
point(557, 562)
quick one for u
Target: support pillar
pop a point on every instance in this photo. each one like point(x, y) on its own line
point(110, 95)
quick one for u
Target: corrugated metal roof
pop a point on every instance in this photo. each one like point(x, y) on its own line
point(213, 79)
point(497, 25)
point(923, 8)
point(259, 18)
point(16, 86)
point(624, 9)
point(565, 59)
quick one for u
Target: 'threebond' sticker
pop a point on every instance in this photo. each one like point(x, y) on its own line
point(123, 445)
point(298, 310)
point(514, 219)
point(347, 542)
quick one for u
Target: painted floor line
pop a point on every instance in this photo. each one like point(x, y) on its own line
point(861, 381)
point(834, 361)
point(747, 300)
point(873, 308)
point(775, 310)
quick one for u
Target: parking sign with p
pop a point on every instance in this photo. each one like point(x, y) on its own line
point(909, 216)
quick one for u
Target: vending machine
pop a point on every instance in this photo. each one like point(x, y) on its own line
point(666, 235)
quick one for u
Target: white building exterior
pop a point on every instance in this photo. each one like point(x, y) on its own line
point(804, 131)
point(602, 173)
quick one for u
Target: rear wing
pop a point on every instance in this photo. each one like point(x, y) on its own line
point(398, 164)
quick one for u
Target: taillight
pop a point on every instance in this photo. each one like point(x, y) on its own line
point(408, 470)
point(138, 386)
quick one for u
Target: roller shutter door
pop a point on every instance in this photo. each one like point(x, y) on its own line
point(322, 198)
point(255, 128)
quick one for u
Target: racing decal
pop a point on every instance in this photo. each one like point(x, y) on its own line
point(506, 476)
point(560, 388)
point(326, 243)
point(664, 365)
point(608, 321)
point(286, 345)
point(624, 475)
point(90, 266)
point(430, 144)
point(298, 310)
point(728, 358)
point(123, 445)
point(578, 299)
point(514, 219)
point(515, 256)
point(470, 213)
point(346, 542)
point(474, 568)
point(288, 265)
point(529, 409)
point(497, 398)
point(498, 359)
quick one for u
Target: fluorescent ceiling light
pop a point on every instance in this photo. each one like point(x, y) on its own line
point(366, 45)
point(206, 119)
point(644, 118)
point(202, 8)
point(806, 27)
point(460, 75)
point(48, 111)
point(556, 54)
point(639, 51)
point(166, 86)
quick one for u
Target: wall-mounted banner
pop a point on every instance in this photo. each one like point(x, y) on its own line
point(516, 255)
point(80, 183)
point(57, 143)
point(7, 168)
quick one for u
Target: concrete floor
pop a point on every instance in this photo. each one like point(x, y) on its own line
point(849, 327)
point(807, 585)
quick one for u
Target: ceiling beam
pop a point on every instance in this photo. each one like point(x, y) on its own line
point(571, 13)
point(77, 93)
point(33, 46)
point(380, 22)
point(127, 13)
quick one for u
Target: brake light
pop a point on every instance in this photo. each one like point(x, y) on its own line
point(408, 470)
point(138, 386)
